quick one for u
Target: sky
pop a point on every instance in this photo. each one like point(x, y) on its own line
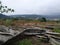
point(41, 7)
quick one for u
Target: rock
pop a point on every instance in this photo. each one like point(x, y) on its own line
point(4, 28)
point(6, 33)
point(1, 42)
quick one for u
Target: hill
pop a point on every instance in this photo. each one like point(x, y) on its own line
point(52, 17)
point(3, 16)
point(27, 16)
point(31, 16)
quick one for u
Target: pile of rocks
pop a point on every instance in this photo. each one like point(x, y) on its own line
point(6, 33)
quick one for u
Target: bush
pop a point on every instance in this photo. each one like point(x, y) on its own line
point(25, 42)
point(57, 30)
point(8, 22)
point(43, 19)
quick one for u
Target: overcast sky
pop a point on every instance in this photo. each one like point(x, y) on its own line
point(42, 7)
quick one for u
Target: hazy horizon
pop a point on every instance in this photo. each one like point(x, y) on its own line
point(40, 7)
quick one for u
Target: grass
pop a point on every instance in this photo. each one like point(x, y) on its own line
point(25, 42)
point(8, 22)
point(34, 41)
point(57, 30)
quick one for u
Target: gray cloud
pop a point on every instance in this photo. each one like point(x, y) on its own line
point(34, 6)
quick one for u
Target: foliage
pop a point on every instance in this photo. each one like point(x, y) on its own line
point(25, 42)
point(14, 19)
point(8, 22)
point(57, 30)
point(43, 19)
point(5, 8)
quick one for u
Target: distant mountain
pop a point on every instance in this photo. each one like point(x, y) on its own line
point(52, 17)
point(2, 16)
point(32, 16)
point(27, 16)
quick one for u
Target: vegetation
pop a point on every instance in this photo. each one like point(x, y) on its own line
point(25, 42)
point(43, 19)
point(32, 41)
point(5, 8)
point(57, 30)
point(8, 22)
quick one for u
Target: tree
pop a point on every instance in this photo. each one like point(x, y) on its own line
point(5, 8)
point(43, 19)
